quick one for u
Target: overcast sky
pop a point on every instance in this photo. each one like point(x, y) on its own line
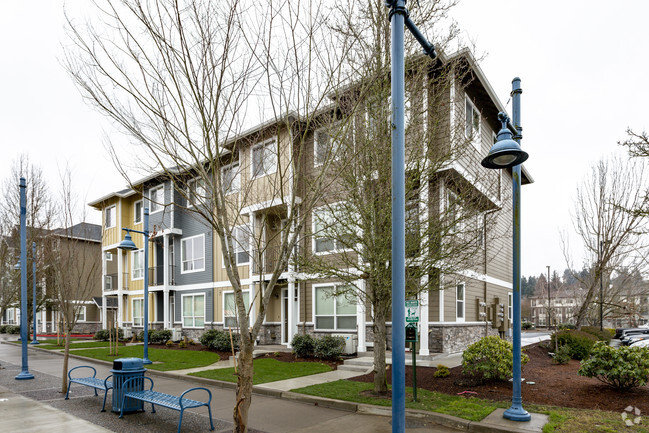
point(582, 65)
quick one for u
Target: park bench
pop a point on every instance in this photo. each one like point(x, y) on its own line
point(161, 399)
point(91, 381)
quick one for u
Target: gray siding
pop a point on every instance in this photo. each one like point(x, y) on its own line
point(191, 225)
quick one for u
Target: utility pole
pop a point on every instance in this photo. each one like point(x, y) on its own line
point(549, 304)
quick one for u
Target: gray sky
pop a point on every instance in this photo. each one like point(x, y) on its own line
point(578, 61)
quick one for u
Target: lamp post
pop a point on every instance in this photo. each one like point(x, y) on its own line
point(35, 339)
point(507, 153)
point(24, 373)
point(600, 253)
point(128, 245)
point(399, 20)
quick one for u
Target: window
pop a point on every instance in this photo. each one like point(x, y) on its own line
point(109, 257)
point(326, 144)
point(241, 241)
point(192, 252)
point(326, 234)
point(194, 311)
point(156, 197)
point(196, 192)
point(231, 178)
point(80, 312)
point(264, 159)
point(472, 123)
point(138, 312)
point(110, 217)
point(137, 212)
point(510, 305)
point(333, 312)
point(138, 265)
point(459, 302)
point(230, 308)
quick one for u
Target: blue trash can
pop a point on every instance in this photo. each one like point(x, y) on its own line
point(123, 370)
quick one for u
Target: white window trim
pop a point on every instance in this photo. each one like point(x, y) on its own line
point(78, 310)
point(326, 208)
point(476, 140)
point(151, 203)
point(510, 306)
point(182, 310)
point(133, 300)
point(313, 308)
point(238, 173)
point(113, 219)
point(133, 265)
point(189, 189)
point(324, 129)
point(135, 215)
point(223, 304)
point(182, 249)
point(463, 318)
point(268, 142)
point(236, 245)
point(109, 256)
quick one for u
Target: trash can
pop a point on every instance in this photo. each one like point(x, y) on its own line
point(123, 370)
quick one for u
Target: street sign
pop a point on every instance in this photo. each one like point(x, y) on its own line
point(412, 311)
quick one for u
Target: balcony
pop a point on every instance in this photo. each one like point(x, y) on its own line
point(269, 260)
point(156, 275)
point(110, 281)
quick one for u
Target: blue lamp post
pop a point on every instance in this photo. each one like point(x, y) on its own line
point(24, 373)
point(507, 153)
point(399, 20)
point(35, 339)
point(128, 245)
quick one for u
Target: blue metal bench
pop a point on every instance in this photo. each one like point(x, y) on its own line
point(92, 382)
point(165, 400)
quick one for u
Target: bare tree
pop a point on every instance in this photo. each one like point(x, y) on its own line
point(183, 80)
point(611, 237)
point(75, 262)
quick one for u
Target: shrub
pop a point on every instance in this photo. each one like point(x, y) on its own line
point(182, 344)
point(12, 329)
point(159, 337)
point(303, 345)
point(623, 368)
point(329, 347)
point(103, 335)
point(442, 371)
point(603, 335)
point(562, 355)
point(489, 359)
point(219, 340)
point(208, 336)
point(580, 343)
point(527, 325)
point(191, 342)
point(3, 329)
point(566, 326)
point(169, 343)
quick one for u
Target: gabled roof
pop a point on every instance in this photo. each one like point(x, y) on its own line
point(82, 231)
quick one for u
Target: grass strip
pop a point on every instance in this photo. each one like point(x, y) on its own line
point(268, 370)
point(163, 359)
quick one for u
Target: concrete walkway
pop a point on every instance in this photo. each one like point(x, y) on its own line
point(274, 407)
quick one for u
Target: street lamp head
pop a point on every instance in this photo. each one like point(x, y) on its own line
point(127, 244)
point(17, 266)
point(506, 152)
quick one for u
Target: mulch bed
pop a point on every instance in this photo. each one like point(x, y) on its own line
point(556, 385)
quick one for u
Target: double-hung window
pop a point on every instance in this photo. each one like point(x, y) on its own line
point(138, 212)
point(80, 312)
point(333, 312)
point(231, 178)
point(138, 312)
point(264, 158)
point(230, 308)
point(192, 251)
point(328, 235)
point(196, 192)
point(510, 306)
point(138, 265)
point(110, 217)
point(194, 310)
point(156, 197)
point(327, 144)
point(472, 123)
point(459, 301)
point(241, 241)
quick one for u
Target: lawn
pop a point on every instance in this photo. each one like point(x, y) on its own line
point(83, 345)
point(562, 420)
point(268, 370)
point(163, 359)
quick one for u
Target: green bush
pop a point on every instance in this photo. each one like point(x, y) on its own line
point(527, 325)
point(580, 343)
point(219, 340)
point(303, 345)
point(208, 336)
point(159, 337)
point(603, 335)
point(562, 355)
point(442, 371)
point(623, 368)
point(489, 359)
point(566, 326)
point(12, 329)
point(169, 343)
point(102, 335)
point(3, 329)
point(329, 347)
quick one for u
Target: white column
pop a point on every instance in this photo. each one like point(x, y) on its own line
point(441, 305)
point(292, 310)
point(254, 302)
point(165, 281)
point(423, 318)
point(104, 324)
point(121, 256)
point(360, 320)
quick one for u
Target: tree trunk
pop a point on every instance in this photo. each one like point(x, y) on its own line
point(380, 374)
point(244, 388)
point(66, 356)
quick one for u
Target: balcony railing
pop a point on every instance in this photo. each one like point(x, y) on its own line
point(156, 275)
point(269, 260)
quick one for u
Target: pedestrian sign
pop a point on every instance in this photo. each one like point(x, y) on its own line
point(412, 311)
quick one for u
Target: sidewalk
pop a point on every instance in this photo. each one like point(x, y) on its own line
point(274, 408)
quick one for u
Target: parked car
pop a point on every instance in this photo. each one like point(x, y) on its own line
point(633, 338)
point(640, 343)
point(621, 333)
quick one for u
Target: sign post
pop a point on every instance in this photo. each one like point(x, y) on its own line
point(412, 318)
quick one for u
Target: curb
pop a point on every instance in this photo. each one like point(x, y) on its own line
point(434, 417)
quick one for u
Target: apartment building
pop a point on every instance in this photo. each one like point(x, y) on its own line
point(189, 285)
